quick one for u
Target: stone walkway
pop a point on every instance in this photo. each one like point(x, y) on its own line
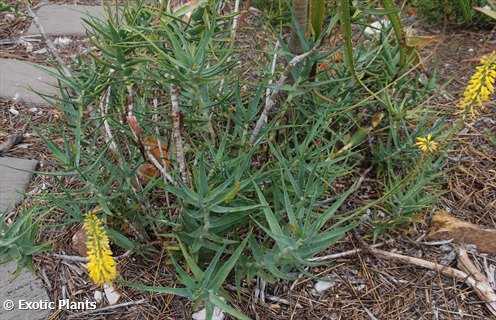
point(64, 19)
point(15, 175)
point(21, 81)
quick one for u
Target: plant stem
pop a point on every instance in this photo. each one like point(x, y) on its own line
point(178, 140)
point(272, 99)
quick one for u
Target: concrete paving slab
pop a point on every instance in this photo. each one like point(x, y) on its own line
point(18, 79)
point(65, 19)
point(15, 289)
point(15, 175)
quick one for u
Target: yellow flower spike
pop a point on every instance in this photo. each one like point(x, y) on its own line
point(101, 264)
point(480, 87)
point(427, 144)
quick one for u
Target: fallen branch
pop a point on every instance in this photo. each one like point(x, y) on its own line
point(85, 259)
point(484, 289)
point(272, 100)
point(178, 140)
point(115, 306)
point(343, 254)
point(70, 258)
point(11, 141)
point(49, 43)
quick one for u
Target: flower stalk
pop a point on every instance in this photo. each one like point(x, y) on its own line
point(101, 264)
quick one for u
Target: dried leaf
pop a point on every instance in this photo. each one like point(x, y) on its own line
point(147, 172)
point(111, 293)
point(487, 11)
point(134, 125)
point(79, 242)
point(152, 145)
point(445, 226)
point(413, 40)
point(376, 119)
point(184, 11)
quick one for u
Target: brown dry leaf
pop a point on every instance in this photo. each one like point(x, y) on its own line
point(151, 144)
point(113, 295)
point(416, 41)
point(376, 119)
point(338, 57)
point(185, 10)
point(79, 242)
point(445, 226)
point(134, 125)
point(147, 172)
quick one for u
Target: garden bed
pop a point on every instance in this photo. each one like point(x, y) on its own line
point(361, 286)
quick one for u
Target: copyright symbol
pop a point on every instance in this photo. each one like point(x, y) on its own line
point(8, 305)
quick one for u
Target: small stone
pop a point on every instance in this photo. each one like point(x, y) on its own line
point(41, 51)
point(33, 110)
point(202, 314)
point(323, 285)
point(375, 28)
point(62, 41)
point(9, 17)
point(27, 45)
point(98, 295)
point(14, 112)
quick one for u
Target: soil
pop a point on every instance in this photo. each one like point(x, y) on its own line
point(363, 286)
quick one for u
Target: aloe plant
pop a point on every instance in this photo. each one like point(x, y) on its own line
point(263, 210)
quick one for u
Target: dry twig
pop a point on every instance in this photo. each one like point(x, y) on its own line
point(469, 273)
point(115, 306)
point(483, 287)
point(137, 133)
point(85, 259)
point(343, 254)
